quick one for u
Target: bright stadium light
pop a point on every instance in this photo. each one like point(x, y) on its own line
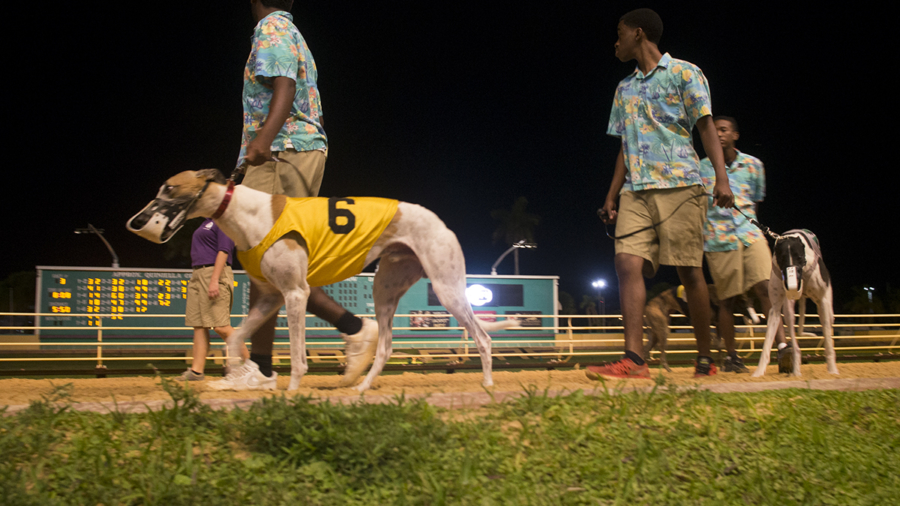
point(478, 295)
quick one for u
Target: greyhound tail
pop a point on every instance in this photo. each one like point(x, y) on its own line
point(509, 323)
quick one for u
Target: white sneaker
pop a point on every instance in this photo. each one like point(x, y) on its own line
point(245, 377)
point(360, 349)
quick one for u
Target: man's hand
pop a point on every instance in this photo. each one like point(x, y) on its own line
point(258, 152)
point(722, 196)
point(608, 212)
point(213, 290)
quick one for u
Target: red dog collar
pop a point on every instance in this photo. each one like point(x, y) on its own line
point(225, 201)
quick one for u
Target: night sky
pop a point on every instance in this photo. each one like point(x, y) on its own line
point(458, 106)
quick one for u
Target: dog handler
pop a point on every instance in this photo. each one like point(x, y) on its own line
point(737, 253)
point(210, 293)
point(283, 116)
point(657, 178)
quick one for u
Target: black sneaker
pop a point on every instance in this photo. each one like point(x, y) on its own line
point(704, 367)
point(734, 364)
point(786, 360)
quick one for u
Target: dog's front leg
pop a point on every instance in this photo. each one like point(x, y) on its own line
point(776, 295)
point(826, 318)
point(295, 304)
point(795, 341)
point(264, 307)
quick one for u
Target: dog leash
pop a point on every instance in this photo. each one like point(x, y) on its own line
point(602, 213)
point(766, 230)
point(237, 175)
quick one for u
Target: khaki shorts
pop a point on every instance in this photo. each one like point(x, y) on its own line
point(201, 310)
point(677, 240)
point(737, 271)
point(279, 178)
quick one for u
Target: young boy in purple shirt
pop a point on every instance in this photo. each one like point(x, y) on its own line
point(210, 293)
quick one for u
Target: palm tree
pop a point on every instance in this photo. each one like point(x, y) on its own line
point(515, 225)
point(590, 308)
point(567, 304)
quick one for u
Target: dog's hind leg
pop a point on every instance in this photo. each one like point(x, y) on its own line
point(447, 270)
point(397, 271)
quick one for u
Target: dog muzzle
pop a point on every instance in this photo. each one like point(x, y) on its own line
point(159, 221)
point(792, 277)
point(162, 217)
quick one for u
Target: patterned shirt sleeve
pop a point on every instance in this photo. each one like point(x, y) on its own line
point(760, 190)
point(695, 93)
point(616, 127)
point(276, 54)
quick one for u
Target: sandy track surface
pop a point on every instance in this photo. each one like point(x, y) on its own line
point(143, 389)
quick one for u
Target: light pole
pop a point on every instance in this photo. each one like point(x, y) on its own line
point(520, 244)
point(869, 290)
point(600, 284)
point(99, 232)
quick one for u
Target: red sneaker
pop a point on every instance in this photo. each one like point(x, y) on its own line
point(624, 368)
point(704, 367)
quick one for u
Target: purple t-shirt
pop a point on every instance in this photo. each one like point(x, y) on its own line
point(207, 242)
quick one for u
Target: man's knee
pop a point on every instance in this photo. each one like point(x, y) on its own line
point(628, 265)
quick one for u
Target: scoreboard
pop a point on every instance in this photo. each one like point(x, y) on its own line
point(150, 304)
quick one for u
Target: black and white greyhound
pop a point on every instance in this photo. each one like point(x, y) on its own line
point(798, 273)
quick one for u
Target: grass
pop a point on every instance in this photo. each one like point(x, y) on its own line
point(665, 447)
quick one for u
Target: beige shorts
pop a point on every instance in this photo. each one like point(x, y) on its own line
point(737, 271)
point(201, 310)
point(279, 178)
point(676, 241)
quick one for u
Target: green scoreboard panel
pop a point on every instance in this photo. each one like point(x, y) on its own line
point(134, 304)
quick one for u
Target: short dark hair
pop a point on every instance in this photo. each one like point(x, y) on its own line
point(648, 21)
point(284, 5)
point(729, 119)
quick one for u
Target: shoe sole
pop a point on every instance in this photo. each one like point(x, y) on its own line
point(351, 375)
point(597, 376)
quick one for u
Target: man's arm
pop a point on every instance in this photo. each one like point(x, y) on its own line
point(722, 195)
point(218, 267)
point(618, 181)
point(259, 150)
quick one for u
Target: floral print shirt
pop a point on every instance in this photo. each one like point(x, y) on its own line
point(654, 114)
point(278, 49)
point(725, 227)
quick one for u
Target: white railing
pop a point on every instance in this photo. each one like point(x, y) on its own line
point(880, 334)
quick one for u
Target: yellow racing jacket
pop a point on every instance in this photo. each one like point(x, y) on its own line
point(339, 232)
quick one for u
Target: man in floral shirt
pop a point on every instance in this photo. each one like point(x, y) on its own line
point(283, 116)
point(737, 252)
point(661, 209)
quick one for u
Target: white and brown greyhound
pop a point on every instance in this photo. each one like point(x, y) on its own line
point(415, 243)
point(798, 273)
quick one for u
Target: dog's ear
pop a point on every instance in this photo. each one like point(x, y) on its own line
point(212, 175)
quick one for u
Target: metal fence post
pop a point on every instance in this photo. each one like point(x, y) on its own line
point(100, 370)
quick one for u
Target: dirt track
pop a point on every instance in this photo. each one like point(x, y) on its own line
point(142, 389)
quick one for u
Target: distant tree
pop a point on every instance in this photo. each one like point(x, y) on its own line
point(589, 306)
point(568, 305)
point(516, 224)
point(17, 296)
point(859, 303)
point(892, 300)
